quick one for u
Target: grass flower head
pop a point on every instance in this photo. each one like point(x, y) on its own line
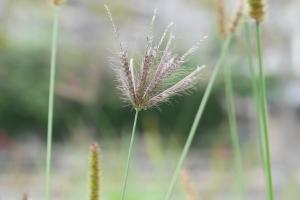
point(257, 9)
point(151, 82)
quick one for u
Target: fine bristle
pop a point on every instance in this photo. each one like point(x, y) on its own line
point(257, 9)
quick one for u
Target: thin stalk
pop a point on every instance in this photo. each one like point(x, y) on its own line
point(254, 85)
point(129, 155)
point(198, 116)
point(51, 100)
point(264, 112)
point(234, 131)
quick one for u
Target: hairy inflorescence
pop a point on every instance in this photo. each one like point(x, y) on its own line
point(94, 172)
point(159, 76)
point(257, 9)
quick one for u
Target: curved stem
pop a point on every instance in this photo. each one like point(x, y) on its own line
point(234, 131)
point(198, 118)
point(264, 112)
point(129, 155)
point(51, 100)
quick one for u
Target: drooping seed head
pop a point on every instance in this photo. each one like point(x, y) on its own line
point(147, 84)
point(257, 9)
point(94, 170)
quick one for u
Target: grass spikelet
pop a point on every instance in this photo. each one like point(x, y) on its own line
point(257, 9)
point(94, 172)
point(188, 185)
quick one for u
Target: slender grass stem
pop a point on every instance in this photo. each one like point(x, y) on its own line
point(264, 113)
point(198, 117)
point(51, 101)
point(129, 155)
point(254, 85)
point(234, 131)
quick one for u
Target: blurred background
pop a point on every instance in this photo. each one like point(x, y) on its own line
point(88, 107)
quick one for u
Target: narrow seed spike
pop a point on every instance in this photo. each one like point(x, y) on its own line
point(116, 32)
point(181, 86)
point(126, 67)
point(164, 35)
point(223, 29)
point(157, 77)
point(148, 60)
point(236, 20)
point(94, 172)
point(131, 67)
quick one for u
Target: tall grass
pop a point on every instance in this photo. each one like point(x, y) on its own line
point(198, 117)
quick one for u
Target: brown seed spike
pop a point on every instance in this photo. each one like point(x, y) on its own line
point(237, 18)
point(257, 9)
point(223, 29)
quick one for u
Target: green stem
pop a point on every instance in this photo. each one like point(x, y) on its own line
point(197, 118)
point(129, 155)
point(51, 101)
point(264, 112)
point(234, 131)
point(259, 123)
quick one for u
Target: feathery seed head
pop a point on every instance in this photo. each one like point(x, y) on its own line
point(94, 172)
point(147, 84)
point(257, 9)
point(57, 2)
